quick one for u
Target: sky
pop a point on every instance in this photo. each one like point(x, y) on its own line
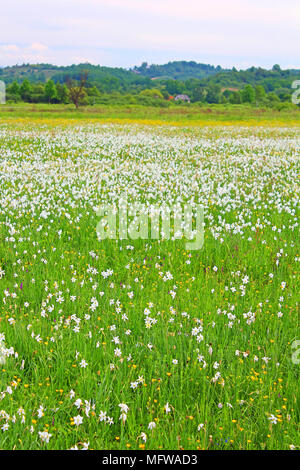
point(124, 33)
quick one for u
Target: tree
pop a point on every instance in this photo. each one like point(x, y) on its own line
point(248, 94)
point(273, 98)
point(77, 92)
point(62, 93)
point(38, 93)
point(13, 92)
point(213, 94)
point(260, 93)
point(276, 68)
point(26, 90)
point(154, 93)
point(165, 93)
point(50, 91)
point(14, 88)
point(284, 94)
point(174, 87)
point(93, 93)
point(235, 97)
point(199, 94)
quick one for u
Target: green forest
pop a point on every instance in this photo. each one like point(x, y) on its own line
point(156, 85)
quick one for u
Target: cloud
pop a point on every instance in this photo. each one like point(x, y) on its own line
point(36, 46)
point(125, 32)
point(14, 54)
point(10, 48)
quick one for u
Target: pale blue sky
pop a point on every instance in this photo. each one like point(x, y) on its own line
point(124, 33)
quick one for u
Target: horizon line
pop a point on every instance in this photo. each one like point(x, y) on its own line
point(290, 67)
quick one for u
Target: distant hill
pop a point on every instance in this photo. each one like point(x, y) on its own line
point(201, 82)
point(225, 78)
point(270, 79)
point(119, 78)
point(109, 79)
point(178, 70)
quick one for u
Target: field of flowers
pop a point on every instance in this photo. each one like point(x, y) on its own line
point(141, 344)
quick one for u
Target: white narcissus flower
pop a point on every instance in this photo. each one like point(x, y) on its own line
point(78, 420)
point(124, 407)
point(5, 427)
point(167, 408)
point(273, 419)
point(45, 436)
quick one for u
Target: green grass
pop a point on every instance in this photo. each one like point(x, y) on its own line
point(177, 114)
point(246, 179)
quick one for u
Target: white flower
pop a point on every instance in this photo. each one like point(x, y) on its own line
point(273, 419)
point(40, 411)
point(102, 416)
point(78, 420)
point(124, 407)
point(167, 408)
point(109, 420)
point(45, 436)
point(123, 417)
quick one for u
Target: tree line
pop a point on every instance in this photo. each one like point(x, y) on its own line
point(85, 84)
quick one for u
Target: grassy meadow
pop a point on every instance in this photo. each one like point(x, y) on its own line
point(176, 115)
point(142, 344)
